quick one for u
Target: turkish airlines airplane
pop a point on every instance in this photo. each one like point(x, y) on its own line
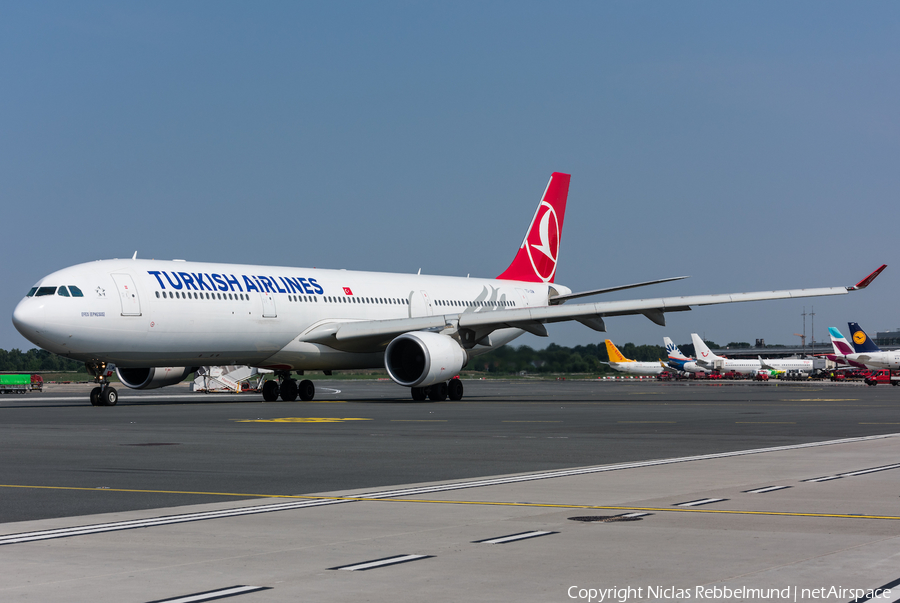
point(619, 362)
point(154, 321)
point(706, 358)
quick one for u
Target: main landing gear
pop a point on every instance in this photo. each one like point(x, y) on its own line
point(288, 389)
point(104, 394)
point(439, 392)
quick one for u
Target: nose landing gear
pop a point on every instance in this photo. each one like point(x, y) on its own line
point(104, 394)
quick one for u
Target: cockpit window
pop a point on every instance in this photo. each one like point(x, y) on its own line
point(45, 291)
point(76, 292)
point(31, 293)
point(63, 291)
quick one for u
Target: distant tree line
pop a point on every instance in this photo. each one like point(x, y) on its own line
point(35, 360)
point(558, 359)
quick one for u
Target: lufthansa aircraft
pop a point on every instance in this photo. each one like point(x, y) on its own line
point(155, 321)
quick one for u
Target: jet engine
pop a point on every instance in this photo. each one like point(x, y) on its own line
point(153, 377)
point(420, 359)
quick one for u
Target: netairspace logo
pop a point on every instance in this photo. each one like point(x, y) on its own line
point(719, 593)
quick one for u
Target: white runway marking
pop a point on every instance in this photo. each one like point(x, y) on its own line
point(828, 478)
point(766, 489)
point(382, 562)
point(404, 492)
point(514, 537)
point(212, 595)
point(159, 521)
point(702, 501)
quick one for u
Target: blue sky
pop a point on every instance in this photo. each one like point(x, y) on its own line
point(750, 145)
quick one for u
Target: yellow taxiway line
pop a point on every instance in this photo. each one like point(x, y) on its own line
point(474, 502)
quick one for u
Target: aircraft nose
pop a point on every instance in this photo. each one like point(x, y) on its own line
point(27, 318)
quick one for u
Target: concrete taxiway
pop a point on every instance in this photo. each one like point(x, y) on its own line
point(736, 486)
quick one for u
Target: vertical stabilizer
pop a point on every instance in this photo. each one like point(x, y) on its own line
point(614, 354)
point(861, 341)
point(840, 344)
point(672, 350)
point(536, 260)
point(701, 351)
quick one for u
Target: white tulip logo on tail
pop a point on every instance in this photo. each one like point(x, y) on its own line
point(547, 243)
point(537, 256)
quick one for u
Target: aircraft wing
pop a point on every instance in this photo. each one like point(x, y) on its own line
point(473, 328)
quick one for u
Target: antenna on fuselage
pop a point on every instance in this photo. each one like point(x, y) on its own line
point(134, 257)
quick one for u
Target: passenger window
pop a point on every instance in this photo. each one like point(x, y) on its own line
point(42, 291)
point(63, 292)
point(157, 295)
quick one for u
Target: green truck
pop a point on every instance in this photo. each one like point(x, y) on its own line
point(20, 384)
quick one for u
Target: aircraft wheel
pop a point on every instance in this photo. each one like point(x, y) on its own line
point(109, 397)
point(288, 390)
point(437, 392)
point(307, 390)
point(455, 389)
point(418, 394)
point(270, 391)
point(95, 396)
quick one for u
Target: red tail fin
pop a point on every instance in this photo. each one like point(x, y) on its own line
point(537, 257)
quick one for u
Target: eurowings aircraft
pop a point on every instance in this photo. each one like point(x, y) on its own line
point(706, 358)
point(619, 362)
point(157, 320)
point(843, 351)
point(680, 362)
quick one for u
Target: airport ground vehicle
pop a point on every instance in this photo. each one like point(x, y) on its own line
point(20, 384)
point(883, 376)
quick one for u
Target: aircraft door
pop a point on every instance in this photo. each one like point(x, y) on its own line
point(268, 302)
point(420, 304)
point(522, 298)
point(429, 307)
point(128, 295)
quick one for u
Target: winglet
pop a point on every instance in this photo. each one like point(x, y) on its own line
point(867, 281)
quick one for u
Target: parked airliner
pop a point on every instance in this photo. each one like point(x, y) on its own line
point(868, 353)
point(619, 362)
point(680, 362)
point(843, 351)
point(154, 321)
point(706, 358)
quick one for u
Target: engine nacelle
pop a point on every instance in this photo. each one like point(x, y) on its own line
point(153, 377)
point(420, 359)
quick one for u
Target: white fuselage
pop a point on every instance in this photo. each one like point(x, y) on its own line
point(148, 313)
point(638, 368)
point(887, 360)
point(750, 366)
